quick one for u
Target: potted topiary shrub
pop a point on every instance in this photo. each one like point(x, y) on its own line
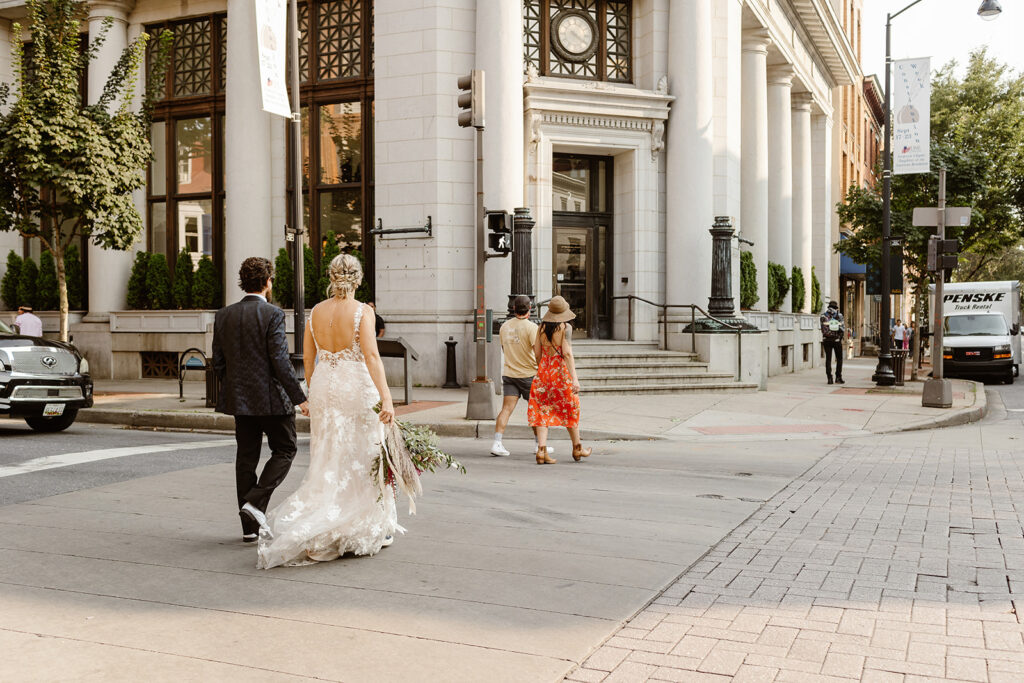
point(158, 283)
point(181, 288)
point(9, 283)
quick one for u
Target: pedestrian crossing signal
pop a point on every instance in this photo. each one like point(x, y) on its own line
point(499, 232)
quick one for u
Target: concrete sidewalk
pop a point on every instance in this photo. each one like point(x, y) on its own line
point(796, 406)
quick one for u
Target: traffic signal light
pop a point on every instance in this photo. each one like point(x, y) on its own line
point(499, 231)
point(942, 255)
point(471, 100)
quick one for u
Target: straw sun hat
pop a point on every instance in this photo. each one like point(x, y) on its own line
point(558, 311)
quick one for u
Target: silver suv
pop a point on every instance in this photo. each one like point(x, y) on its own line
point(42, 381)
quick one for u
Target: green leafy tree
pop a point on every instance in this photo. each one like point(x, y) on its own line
point(778, 286)
point(284, 279)
point(28, 280)
point(206, 285)
point(136, 298)
point(181, 288)
point(46, 285)
point(9, 285)
point(976, 134)
point(158, 283)
point(73, 277)
point(327, 254)
point(748, 281)
point(817, 305)
point(310, 278)
point(67, 169)
point(799, 289)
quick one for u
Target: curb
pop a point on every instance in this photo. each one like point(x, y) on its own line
point(477, 429)
point(953, 419)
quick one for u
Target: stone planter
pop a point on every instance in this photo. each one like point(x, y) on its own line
point(161, 322)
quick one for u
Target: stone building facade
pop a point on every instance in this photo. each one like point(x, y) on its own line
point(624, 126)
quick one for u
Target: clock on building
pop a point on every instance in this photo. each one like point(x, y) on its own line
point(574, 36)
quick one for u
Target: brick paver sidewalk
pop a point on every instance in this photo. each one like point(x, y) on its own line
point(878, 564)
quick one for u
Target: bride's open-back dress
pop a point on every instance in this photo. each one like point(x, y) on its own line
point(337, 508)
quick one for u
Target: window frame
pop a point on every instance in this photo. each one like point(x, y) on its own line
point(169, 110)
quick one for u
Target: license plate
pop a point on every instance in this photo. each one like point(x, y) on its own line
point(53, 409)
point(972, 353)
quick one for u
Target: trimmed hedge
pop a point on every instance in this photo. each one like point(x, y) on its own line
point(817, 304)
point(778, 285)
point(73, 278)
point(748, 281)
point(799, 289)
point(181, 289)
point(136, 297)
point(9, 284)
point(158, 283)
point(28, 282)
point(284, 279)
point(206, 285)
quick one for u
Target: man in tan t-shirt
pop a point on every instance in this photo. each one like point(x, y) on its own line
point(517, 335)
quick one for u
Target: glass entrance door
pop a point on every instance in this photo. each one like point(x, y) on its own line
point(572, 274)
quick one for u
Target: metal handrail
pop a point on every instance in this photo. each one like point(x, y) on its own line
point(663, 321)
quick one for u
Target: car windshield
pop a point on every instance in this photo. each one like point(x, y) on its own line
point(4, 329)
point(975, 325)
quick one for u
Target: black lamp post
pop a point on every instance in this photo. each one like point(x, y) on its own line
point(884, 376)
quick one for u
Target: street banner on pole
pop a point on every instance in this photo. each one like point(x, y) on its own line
point(271, 20)
point(911, 116)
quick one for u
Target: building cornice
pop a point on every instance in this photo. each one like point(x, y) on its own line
point(821, 23)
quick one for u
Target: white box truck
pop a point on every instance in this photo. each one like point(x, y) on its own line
point(981, 328)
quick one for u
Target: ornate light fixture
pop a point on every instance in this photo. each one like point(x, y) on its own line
point(989, 10)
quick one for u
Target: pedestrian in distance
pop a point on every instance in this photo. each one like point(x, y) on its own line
point(554, 395)
point(28, 322)
point(832, 333)
point(899, 334)
point(378, 322)
point(338, 507)
point(250, 356)
point(518, 336)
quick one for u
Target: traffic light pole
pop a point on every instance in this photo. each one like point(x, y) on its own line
point(480, 405)
point(884, 376)
point(938, 391)
point(297, 229)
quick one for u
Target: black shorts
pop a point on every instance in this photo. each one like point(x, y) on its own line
point(516, 386)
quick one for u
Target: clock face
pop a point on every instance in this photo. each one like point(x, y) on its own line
point(575, 34)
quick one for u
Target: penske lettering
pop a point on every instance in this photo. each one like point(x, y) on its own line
point(980, 297)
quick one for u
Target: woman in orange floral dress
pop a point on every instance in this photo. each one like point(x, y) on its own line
point(554, 395)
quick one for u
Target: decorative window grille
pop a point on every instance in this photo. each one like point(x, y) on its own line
point(608, 24)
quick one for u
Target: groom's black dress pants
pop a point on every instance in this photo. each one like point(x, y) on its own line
point(249, 431)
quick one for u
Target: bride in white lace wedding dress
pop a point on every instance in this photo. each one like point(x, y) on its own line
point(337, 508)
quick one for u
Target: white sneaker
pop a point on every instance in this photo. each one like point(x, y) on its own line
point(498, 449)
point(550, 450)
point(256, 515)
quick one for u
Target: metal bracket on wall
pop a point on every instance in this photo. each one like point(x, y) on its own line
point(428, 228)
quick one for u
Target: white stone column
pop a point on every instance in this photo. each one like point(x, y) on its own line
point(108, 269)
point(499, 52)
point(247, 155)
point(780, 171)
point(754, 148)
point(821, 202)
point(803, 240)
point(690, 155)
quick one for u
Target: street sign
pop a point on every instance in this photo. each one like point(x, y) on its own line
point(956, 216)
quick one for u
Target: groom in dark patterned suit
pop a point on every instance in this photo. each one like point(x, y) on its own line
point(250, 356)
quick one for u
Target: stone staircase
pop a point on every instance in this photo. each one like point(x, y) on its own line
point(618, 367)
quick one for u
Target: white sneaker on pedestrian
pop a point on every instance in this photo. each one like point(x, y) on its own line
point(498, 449)
point(550, 450)
point(256, 515)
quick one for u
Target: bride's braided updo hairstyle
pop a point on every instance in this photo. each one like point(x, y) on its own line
point(346, 274)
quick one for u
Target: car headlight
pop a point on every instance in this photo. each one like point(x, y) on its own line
point(1002, 348)
point(83, 367)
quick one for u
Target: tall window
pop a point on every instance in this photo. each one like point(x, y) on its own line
point(336, 69)
point(186, 179)
point(588, 39)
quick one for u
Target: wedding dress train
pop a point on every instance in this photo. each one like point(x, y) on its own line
point(337, 508)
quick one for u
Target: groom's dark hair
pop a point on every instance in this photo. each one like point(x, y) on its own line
point(254, 273)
